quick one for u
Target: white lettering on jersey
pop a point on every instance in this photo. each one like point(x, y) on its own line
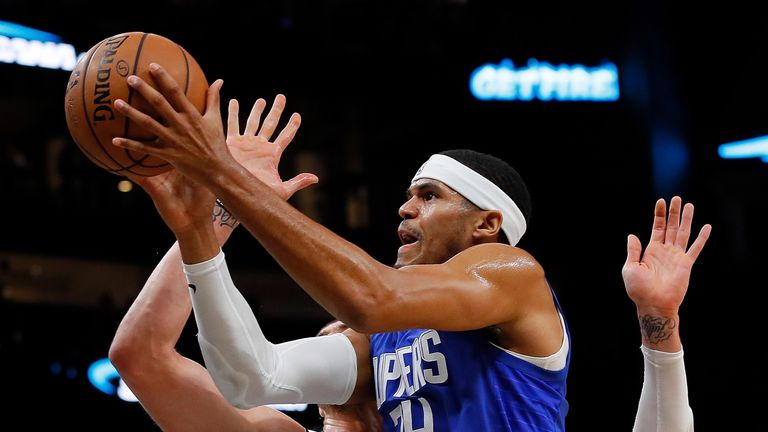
point(427, 365)
point(403, 415)
point(440, 374)
point(405, 370)
point(418, 372)
point(388, 370)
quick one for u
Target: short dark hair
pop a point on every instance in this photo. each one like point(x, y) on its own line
point(499, 173)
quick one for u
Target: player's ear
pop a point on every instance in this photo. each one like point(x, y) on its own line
point(488, 226)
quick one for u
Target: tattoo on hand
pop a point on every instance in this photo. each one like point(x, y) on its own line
point(223, 215)
point(656, 329)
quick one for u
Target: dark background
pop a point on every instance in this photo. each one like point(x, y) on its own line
point(381, 86)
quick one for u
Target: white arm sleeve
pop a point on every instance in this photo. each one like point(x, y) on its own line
point(664, 399)
point(248, 369)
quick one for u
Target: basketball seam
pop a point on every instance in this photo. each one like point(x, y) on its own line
point(88, 117)
point(104, 149)
point(137, 162)
point(130, 99)
point(186, 64)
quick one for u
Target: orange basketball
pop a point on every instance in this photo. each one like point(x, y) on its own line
point(100, 78)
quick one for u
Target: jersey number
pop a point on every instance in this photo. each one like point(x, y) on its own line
point(404, 415)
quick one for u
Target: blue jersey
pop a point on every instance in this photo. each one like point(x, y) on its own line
point(428, 380)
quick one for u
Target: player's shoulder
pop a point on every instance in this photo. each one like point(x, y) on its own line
point(494, 251)
point(499, 258)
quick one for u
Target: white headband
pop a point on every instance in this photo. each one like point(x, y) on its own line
point(477, 189)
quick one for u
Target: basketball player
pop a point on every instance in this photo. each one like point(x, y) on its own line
point(466, 333)
point(177, 392)
point(465, 276)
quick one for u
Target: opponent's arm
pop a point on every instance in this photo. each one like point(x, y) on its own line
point(657, 284)
point(177, 392)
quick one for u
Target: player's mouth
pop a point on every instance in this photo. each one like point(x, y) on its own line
point(408, 238)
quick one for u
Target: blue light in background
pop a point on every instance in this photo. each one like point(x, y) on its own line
point(102, 374)
point(749, 148)
point(71, 373)
point(545, 82)
point(669, 154)
point(17, 30)
point(29, 47)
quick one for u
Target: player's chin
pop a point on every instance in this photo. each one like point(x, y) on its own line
point(407, 254)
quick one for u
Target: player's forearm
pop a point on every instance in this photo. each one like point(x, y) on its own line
point(247, 368)
point(663, 402)
point(659, 330)
point(304, 248)
point(157, 317)
point(198, 245)
point(202, 242)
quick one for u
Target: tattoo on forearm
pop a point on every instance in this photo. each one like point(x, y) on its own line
point(223, 216)
point(656, 329)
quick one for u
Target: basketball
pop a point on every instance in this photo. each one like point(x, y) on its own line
point(100, 78)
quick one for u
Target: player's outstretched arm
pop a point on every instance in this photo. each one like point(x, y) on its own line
point(657, 281)
point(176, 391)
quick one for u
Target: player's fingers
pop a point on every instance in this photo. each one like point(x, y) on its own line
point(142, 120)
point(138, 146)
point(684, 233)
point(254, 118)
point(155, 99)
point(700, 241)
point(288, 132)
point(171, 89)
point(270, 123)
point(233, 122)
point(673, 221)
point(213, 101)
point(299, 182)
point(659, 221)
point(634, 249)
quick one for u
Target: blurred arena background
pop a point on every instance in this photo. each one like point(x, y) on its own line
point(381, 86)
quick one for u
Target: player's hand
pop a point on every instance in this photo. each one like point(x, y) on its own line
point(657, 280)
point(193, 143)
point(183, 205)
point(256, 153)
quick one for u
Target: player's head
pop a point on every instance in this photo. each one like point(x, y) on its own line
point(359, 417)
point(332, 327)
point(457, 199)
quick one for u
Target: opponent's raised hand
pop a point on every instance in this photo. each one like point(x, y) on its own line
point(254, 149)
point(657, 279)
